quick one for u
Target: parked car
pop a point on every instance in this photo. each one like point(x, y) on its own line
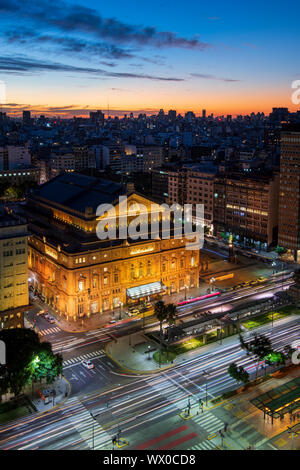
point(88, 364)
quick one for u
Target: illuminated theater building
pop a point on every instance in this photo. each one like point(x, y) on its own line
point(81, 275)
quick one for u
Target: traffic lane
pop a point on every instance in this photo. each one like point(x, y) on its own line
point(84, 380)
point(118, 394)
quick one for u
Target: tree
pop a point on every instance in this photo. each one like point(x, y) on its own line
point(172, 316)
point(280, 250)
point(275, 358)
point(11, 193)
point(296, 277)
point(161, 313)
point(259, 346)
point(238, 373)
point(27, 360)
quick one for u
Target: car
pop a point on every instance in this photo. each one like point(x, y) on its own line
point(49, 318)
point(135, 311)
point(112, 321)
point(88, 364)
point(41, 312)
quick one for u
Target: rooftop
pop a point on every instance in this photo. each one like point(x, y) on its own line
point(76, 192)
point(280, 400)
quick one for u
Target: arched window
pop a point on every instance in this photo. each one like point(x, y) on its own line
point(141, 269)
point(132, 271)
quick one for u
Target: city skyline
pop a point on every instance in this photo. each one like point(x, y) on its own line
point(69, 59)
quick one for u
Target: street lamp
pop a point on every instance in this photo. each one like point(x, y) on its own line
point(120, 307)
point(93, 435)
point(149, 347)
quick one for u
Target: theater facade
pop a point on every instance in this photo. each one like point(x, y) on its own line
point(80, 275)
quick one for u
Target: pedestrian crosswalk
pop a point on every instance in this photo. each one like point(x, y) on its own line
point(49, 331)
point(91, 432)
point(92, 355)
point(209, 422)
point(206, 445)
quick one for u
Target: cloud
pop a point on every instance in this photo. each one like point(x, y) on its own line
point(68, 44)
point(68, 111)
point(22, 65)
point(77, 18)
point(248, 44)
point(206, 76)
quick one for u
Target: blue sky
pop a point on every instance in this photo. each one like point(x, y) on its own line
point(69, 57)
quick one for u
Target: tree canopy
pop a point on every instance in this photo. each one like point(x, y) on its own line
point(27, 360)
point(238, 373)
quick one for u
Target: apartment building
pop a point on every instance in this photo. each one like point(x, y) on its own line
point(247, 206)
point(14, 297)
point(289, 197)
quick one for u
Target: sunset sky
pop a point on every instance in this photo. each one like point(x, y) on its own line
point(67, 58)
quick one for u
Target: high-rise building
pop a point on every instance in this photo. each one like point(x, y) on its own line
point(97, 117)
point(13, 157)
point(14, 297)
point(289, 196)
point(247, 206)
point(26, 117)
point(172, 115)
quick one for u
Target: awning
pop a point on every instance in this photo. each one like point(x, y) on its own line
point(145, 290)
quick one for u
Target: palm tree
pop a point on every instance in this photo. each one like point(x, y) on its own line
point(172, 316)
point(260, 346)
point(161, 313)
point(296, 277)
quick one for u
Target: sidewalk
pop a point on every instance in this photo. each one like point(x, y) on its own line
point(134, 358)
point(86, 324)
point(131, 354)
point(61, 388)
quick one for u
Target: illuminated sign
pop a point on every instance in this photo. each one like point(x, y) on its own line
point(51, 252)
point(142, 251)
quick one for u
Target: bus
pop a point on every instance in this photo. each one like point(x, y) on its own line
point(197, 299)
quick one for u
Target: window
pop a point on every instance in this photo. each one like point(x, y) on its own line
point(80, 285)
point(141, 269)
point(132, 271)
point(80, 308)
